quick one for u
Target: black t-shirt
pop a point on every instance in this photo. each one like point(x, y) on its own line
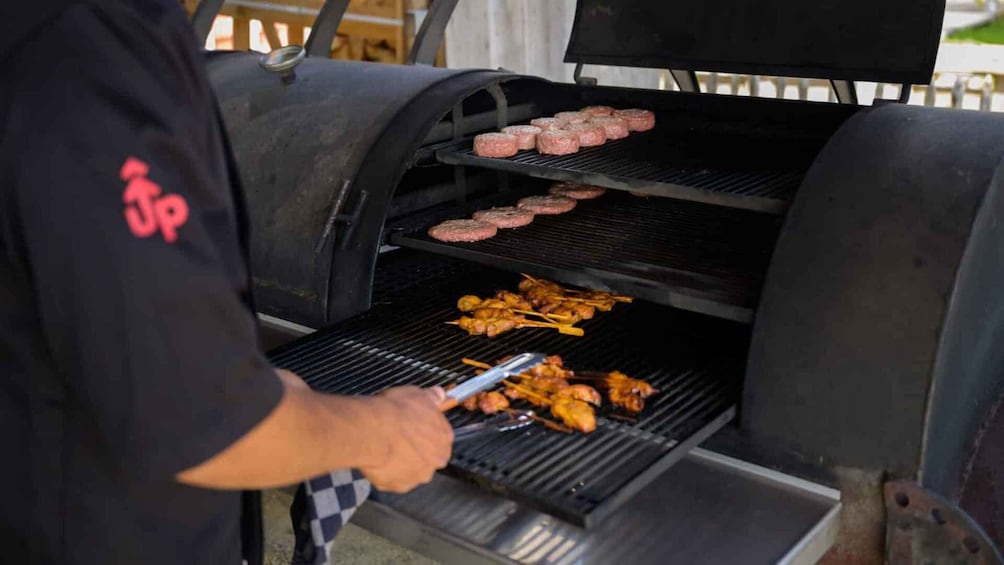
point(128, 350)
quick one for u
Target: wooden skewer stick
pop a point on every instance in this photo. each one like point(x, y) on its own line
point(588, 301)
point(528, 391)
point(552, 317)
point(612, 296)
point(562, 328)
point(474, 363)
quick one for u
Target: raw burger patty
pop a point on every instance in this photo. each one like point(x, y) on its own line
point(573, 117)
point(526, 136)
point(495, 145)
point(462, 230)
point(557, 142)
point(590, 135)
point(598, 110)
point(505, 217)
point(637, 120)
point(548, 123)
point(576, 190)
point(615, 128)
point(547, 204)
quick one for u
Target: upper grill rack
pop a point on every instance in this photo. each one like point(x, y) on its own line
point(680, 158)
point(695, 361)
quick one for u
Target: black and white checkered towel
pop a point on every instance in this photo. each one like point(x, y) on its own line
point(320, 508)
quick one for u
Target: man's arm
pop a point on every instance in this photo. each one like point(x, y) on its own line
point(397, 439)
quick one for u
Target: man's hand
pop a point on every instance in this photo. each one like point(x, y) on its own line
point(419, 438)
point(397, 439)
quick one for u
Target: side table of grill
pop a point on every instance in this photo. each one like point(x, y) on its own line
point(706, 509)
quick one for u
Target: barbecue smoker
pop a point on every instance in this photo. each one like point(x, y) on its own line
point(817, 285)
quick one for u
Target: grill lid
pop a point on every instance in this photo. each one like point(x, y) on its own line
point(890, 41)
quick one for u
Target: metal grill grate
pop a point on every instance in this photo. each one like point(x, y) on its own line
point(685, 254)
point(731, 168)
point(694, 360)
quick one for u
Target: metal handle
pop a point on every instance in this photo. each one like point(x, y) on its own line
point(430, 34)
point(322, 33)
point(203, 17)
point(283, 61)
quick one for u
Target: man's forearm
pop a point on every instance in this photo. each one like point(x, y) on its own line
point(297, 441)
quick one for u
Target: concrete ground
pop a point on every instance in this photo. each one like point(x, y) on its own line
point(354, 545)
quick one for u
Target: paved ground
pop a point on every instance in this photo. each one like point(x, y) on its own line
point(354, 546)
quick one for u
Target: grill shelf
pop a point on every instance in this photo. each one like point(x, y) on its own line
point(688, 255)
point(695, 361)
point(734, 167)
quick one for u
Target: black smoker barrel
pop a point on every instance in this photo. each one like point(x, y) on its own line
point(320, 157)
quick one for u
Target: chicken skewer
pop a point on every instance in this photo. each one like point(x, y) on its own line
point(513, 302)
point(593, 294)
point(622, 390)
point(539, 290)
point(543, 385)
point(490, 402)
point(574, 413)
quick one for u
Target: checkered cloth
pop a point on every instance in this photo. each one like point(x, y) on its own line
point(320, 508)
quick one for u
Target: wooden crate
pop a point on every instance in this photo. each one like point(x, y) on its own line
point(373, 30)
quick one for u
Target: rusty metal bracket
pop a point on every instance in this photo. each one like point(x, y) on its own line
point(923, 527)
point(336, 211)
point(352, 220)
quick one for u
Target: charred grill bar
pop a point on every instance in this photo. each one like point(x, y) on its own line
point(826, 271)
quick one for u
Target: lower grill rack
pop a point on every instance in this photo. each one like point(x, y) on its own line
point(695, 362)
point(688, 255)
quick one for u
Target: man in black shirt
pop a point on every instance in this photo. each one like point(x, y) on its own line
point(134, 402)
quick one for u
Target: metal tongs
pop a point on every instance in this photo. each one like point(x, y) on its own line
point(498, 423)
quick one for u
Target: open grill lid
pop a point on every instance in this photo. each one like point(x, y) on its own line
point(890, 41)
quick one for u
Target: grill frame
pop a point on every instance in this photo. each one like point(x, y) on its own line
point(402, 340)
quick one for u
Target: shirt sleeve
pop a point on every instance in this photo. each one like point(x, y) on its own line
point(130, 237)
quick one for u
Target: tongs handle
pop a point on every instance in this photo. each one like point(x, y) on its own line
point(496, 424)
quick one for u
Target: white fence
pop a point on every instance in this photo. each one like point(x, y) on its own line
point(529, 36)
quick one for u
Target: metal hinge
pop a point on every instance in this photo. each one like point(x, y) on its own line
point(581, 80)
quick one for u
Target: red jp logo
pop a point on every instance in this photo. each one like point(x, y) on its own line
point(146, 210)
